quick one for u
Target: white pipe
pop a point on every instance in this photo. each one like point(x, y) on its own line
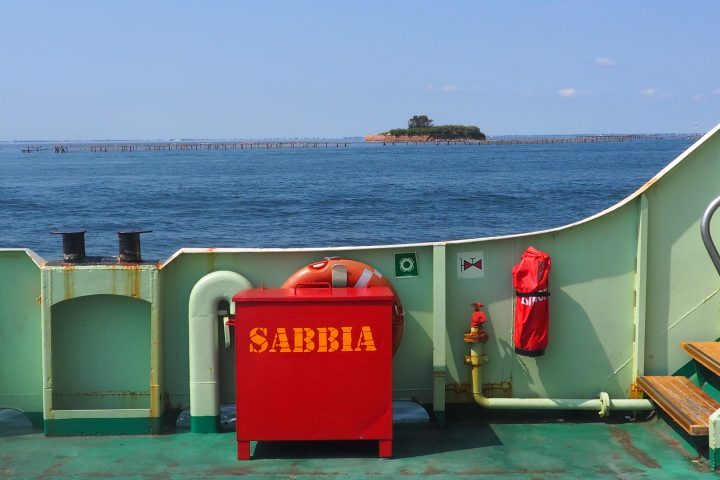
point(203, 345)
point(603, 404)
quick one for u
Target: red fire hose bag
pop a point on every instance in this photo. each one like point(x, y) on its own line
point(532, 311)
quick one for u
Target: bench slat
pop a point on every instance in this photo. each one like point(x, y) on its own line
point(707, 353)
point(684, 401)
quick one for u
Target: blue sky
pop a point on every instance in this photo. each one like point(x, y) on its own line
point(222, 69)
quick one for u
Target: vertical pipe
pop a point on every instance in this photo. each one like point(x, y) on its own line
point(640, 295)
point(203, 346)
point(439, 332)
point(155, 353)
point(46, 333)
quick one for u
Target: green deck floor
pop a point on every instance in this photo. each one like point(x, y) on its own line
point(470, 449)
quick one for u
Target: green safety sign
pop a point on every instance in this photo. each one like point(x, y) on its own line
point(406, 265)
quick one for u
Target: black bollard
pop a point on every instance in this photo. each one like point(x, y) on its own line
point(73, 245)
point(129, 245)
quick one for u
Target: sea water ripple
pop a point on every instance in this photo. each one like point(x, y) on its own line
point(362, 194)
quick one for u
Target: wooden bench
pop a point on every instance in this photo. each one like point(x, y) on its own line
point(684, 401)
point(705, 353)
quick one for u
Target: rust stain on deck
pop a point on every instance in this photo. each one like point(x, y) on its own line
point(623, 438)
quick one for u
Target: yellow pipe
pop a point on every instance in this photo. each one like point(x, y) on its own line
point(603, 404)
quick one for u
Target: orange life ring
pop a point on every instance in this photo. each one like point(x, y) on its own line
point(359, 275)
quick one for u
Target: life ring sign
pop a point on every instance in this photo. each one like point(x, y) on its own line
point(342, 272)
point(406, 265)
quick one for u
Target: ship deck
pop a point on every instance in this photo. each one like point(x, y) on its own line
point(487, 447)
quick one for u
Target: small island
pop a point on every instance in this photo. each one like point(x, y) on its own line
point(421, 129)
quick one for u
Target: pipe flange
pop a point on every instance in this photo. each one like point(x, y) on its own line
point(604, 404)
point(476, 360)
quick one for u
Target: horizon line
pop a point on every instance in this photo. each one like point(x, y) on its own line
point(346, 137)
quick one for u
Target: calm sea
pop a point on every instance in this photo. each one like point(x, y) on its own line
point(358, 195)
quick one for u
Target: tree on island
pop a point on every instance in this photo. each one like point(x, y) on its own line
point(422, 125)
point(419, 121)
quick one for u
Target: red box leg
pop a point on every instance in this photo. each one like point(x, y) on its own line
point(243, 450)
point(385, 448)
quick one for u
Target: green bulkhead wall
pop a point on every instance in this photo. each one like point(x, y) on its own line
point(635, 271)
point(682, 284)
point(101, 353)
point(591, 323)
point(20, 333)
point(599, 291)
point(272, 268)
point(610, 284)
point(111, 322)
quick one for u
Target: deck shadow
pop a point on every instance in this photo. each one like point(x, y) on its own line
point(14, 423)
point(410, 440)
